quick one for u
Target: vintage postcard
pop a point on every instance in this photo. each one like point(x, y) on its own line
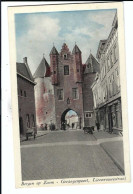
point(69, 100)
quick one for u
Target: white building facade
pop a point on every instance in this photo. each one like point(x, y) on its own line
point(106, 88)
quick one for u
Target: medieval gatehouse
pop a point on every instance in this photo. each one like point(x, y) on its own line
point(63, 86)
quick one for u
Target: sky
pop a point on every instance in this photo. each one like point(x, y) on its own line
point(71, 112)
point(37, 32)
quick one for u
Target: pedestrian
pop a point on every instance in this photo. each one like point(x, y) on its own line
point(72, 125)
point(98, 126)
point(45, 127)
point(34, 135)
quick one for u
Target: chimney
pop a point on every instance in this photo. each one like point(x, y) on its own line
point(25, 60)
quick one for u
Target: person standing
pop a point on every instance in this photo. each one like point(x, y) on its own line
point(98, 126)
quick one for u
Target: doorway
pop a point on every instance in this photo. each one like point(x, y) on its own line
point(110, 121)
point(20, 125)
point(69, 120)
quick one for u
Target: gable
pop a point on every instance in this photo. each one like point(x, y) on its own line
point(22, 69)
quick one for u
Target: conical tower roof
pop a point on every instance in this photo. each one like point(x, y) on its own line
point(43, 69)
point(76, 49)
point(92, 65)
point(54, 51)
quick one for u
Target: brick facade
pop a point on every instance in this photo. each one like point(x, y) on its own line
point(26, 99)
point(67, 82)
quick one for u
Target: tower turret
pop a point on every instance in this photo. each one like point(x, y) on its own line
point(54, 57)
point(78, 68)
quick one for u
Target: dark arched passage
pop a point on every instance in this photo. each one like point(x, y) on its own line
point(69, 119)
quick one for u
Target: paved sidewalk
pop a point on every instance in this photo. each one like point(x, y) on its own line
point(104, 134)
point(115, 152)
point(39, 134)
point(60, 136)
point(113, 147)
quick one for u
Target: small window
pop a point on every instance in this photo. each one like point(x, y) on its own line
point(115, 56)
point(88, 115)
point(65, 56)
point(77, 70)
point(27, 120)
point(108, 63)
point(117, 72)
point(68, 101)
point(50, 91)
point(21, 92)
point(110, 80)
point(60, 94)
point(111, 59)
point(25, 94)
point(75, 93)
point(33, 120)
point(54, 72)
point(89, 65)
point(112, 77)
point(66, 70)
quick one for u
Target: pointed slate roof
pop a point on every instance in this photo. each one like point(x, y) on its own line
point(76, 49)
point(23, 69)
point(92, 65)
point(54, 51)
point(43, 69)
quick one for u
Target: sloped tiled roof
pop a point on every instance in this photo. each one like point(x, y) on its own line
point(23, 70)
point(92, 65)
point(76, 50)
point(54, 51)
point(43, 69)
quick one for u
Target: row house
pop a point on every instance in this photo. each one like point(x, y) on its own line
point(106, 87)
point(26, 99)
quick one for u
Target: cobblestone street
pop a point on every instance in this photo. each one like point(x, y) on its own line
point(69, 154)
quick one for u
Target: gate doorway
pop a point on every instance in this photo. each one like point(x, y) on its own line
point(20, 125)
point(110, 121)
point(69, 120)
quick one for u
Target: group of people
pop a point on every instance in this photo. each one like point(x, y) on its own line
point(63, 126)
point(46, 127)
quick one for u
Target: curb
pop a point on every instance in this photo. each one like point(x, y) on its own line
point(113, 159)
point(35, 138)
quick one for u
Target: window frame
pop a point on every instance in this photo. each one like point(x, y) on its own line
point(25, 94)
point(73, 93)
point(27, 120)
point(60, 89)
point(88, 112)
point(66, 70)
point(65, 56)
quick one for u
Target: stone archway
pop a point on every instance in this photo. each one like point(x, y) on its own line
point(69, 120)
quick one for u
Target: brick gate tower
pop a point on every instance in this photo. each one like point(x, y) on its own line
point(65, 85)
point(66, 78)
